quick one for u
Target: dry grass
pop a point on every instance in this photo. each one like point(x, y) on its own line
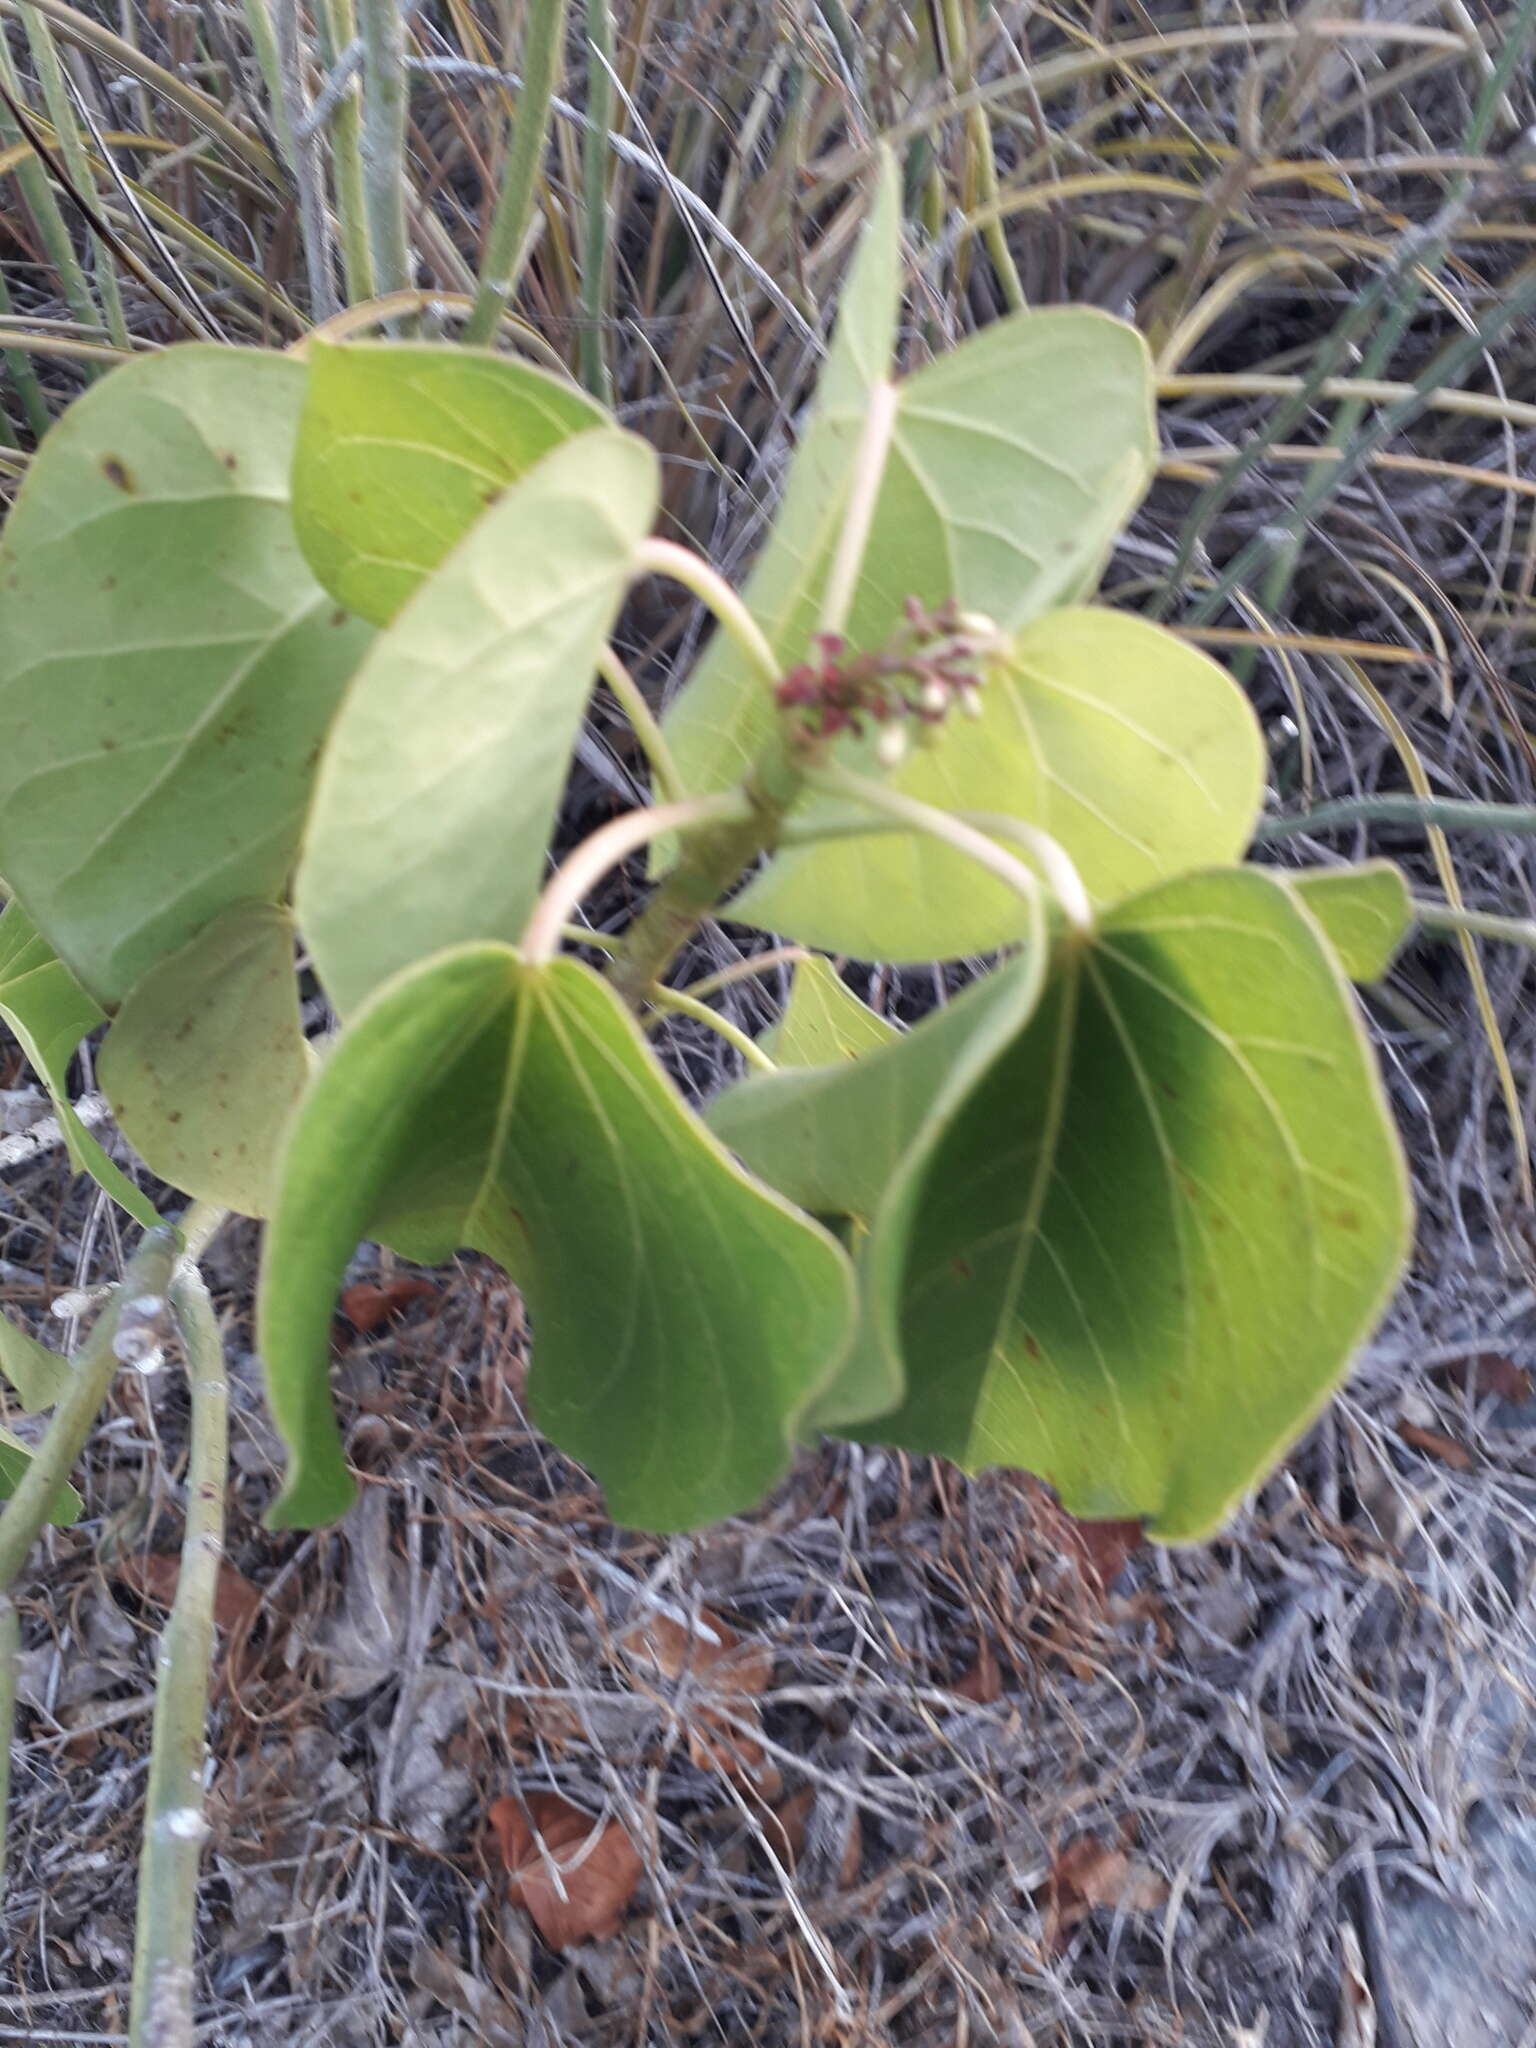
point(1301, 1733)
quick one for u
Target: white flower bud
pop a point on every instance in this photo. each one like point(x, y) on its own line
point(891, 747)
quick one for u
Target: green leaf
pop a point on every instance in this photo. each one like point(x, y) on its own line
point(1365, 912)
point(168, 665)
point(38, 1374)
point(846, 1140)
point(830, 1137)
point(823, 1020)
point(439, 785)
point(15, 1457)
point(1143, 1253)
point(1135, 752)
point(401, 449)
point(48, 1013)
point(1013, 463)
point(684, 1315)
point(207, 1060)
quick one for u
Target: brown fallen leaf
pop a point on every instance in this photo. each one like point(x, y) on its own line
point(983, 1683)
point(1490, 1372)
point(153, 1576)
point(793, 1816)
point(366, 1306)
point(572, 1875)
point(733, 1669)
point(1098, 1550)
point(1434, 1445)
point(1087, 1873)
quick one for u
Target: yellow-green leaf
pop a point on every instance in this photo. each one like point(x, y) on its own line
point(442, 775)
point(403, 446)
point(38, 1375)
point(823, 1020)
point(168, 664)
point(1135, 752)
point(15, 1457)
point(1365, 912)
point(684, 1316)
point(1146, 1248)
point(207, 1060)
point(49, 1013)
point(1012, 464)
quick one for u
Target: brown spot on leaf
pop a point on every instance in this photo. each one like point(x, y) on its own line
point(115, 470)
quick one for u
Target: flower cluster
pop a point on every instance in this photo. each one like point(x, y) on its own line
point(932, 665)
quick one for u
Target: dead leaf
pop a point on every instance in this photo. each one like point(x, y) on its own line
point(1088, 1873)
point(1434, 1445)
point(722, 1663)
point(1490, 1372)
point(153, 1576)
point(366, 1306)
point(496, 2025)
point(794, 1817)
point(573, 1876)
point(983, 1683)
point(1098, 1550)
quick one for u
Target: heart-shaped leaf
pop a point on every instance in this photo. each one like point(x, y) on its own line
point(1365, 912)
point(403, 446)
point(207, 1060)
point(823, 1020)
point(684, 1315)
point(1012, 464)
point(48, 1013)
point(439, 784)
point(1135, 752)
point(15, 1457)
point(1141, 1255)
point(168, 664)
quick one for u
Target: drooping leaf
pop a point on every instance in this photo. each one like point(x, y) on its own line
point(1134, 751)
point(168, 665)
point(15, 1457)
point(401, 449)
point(1013, 463)
point(38, 1374)
point(1365, 912)
point(48, 1013)
point(823, 1020)
point(1142, 1254)
point(207, 1060)
point(439, 784)
point(846, 1140)
point(685, 1316)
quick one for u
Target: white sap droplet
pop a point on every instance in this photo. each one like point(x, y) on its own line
point(76, 1301)
point(185, 1823)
